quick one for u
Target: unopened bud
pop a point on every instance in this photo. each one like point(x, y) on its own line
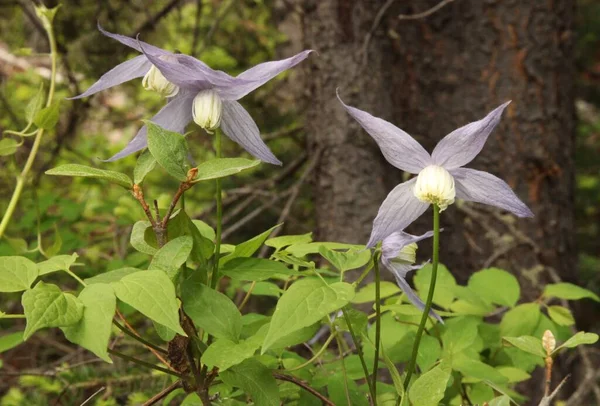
point(435, 185)
point(156, 81)
point(548, 342)
point(408, 254)
point(207, 110)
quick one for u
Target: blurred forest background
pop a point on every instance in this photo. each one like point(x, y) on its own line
point(428, 74)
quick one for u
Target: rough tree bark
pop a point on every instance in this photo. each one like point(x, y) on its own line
point(429, 76)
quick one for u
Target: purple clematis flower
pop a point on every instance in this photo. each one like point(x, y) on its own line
point(398, 254)
point(195, 92)
point(441, 176)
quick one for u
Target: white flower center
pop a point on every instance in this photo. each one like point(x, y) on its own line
point(435, 185)
point(156, 81)
point(207, 109)
point(408, 254)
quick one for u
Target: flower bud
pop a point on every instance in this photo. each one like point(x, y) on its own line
point(207, 109)
point(548, 341)
point(435, 185)
point(155, 80)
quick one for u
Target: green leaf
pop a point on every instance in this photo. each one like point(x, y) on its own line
point(521, 320)
point(569, 291)
point(173, 255)
point(247, 248)
point(138, 238)
point(358, 320)
point(286, 240)
point(34, 105)
point(254, 269)
point(153, 295)
point(514, 374)
point(222, 167)
point(367, 293)
point(444, 286)
point(92, 332)
point(255, 379)
point(144, 165)
point(10, 341)
point(169, 149)
point(496, 286)
point(345, 260)
point(305, 303)
point(300, 250)
point(165, 333)
point(57, 263)
point(8, 146)
point(561, 315)
point(47, 306)
point(212, 311)
point(225, 353)
point(578, 339)
point(396, 379)
point(56, 245)
point(429, 388)
point(477, 369)
point(89, 172)
point(16, 274)
point(460, 334)
point(264, 289)
point(111, 276)
point(532, 345)
point(429, 352)
point(503, 400)
point(17, 244)
point(47, 117)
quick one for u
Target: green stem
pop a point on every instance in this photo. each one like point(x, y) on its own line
point(77, 278)
point(315, 357)
point(12, 316)
point(360, 353)
point(344, 374)
point(14, 200)
point(138, 338)
point(215, 273)
point(145, 364)
point(425, 316)
point(364, 274)
point(377, 322)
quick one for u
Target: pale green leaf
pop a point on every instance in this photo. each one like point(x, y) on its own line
point(169, 149)
point(222, 167)
point(477, 369)
point(254, 269)
point(503, 400)
point(521, 320)
point(496, 286)
point(17, 244)
point(8, 146)
point(92, 332)
point(429, 388)
point(300, 250)
point(225, 353)
point(57, 263)
point(153, 295)
point(264, 289)
point(173, 255)
point(144, 165)
point(138, 238)
point(345, 260)
point(578, 339)
point(532, 345)
point(47, 117)
point(305, 303)
point(459, 334)
point(255, 379)
point(569, 291)
point(444, 286)
point(16, 274)
point(286, 240)
point(47, 306)
point(10, 341)
point(561, 315)
point(247, 248)
point(165, 333)
point(35, 105)
point(111, 276)
point(90, 172)
point(367, 293)
point(514, 374)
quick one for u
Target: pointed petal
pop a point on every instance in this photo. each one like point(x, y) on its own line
point(173, 117)
point(133, 68)
point(462, 145)
point(259, 75)
point(132, 42)
point(237, 124)
point(483, 187)
point(398, 210)
point(398, 148)
point(400, 272)
point(394, 242)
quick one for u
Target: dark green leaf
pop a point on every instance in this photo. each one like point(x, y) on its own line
point(169, 149)
point(255, 379)
point(222, 167)
point(143, 167)
point(10, 341)
point(254, 269)
point(47, 117)
point(247, 248)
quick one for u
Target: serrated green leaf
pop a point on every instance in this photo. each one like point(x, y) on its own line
point(254, 269)
point(569, 291)
point(345, 260)
point(153, 295)
point(496, 286)
point(17, 274)
point(444, 287)
point(47, 306)
point(47, 118)
point(255, 379)
point(561, 315)
point(10, 341)
point(144, 165)
point(305, 303)
point(225, 353)
point(286, 240)
point(170, 150)
point(532, 345)
point(247, 248)
point(57, 263)
point(111, 276)
point(212, 311)
point(578, 339)
point(429, 388)
point(222, 167)
point(173, 255)
point(521, 320)
point(92, 332)
point(367, 293)
point(8, 146)
point(138, 238)
point(89, 172)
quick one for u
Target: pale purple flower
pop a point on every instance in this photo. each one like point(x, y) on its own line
point(441, 176)
point(195, 92)
point(398, 253)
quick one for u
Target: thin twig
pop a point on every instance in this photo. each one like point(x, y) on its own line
point(145, 364)
point(138, 194)
point(92, 396)
point(154, 399)
point(426, 13)
point(303, 385)
point(547, 400)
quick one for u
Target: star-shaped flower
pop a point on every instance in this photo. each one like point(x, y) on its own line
point(440, 176)
point(195, 92)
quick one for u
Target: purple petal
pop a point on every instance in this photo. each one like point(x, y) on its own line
point(462, 145)
point(394, 242)
point(237, 124)
point(398, 148)
point(398, 210)
point(134, 68)
point(259, 75)
point(173, 117)
point(133, 42)
point(400, 271)
point(483, 187)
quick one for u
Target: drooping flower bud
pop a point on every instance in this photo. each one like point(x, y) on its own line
point(156, 81)
point(435, 185)
point(207, 109)
point(407, 255)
